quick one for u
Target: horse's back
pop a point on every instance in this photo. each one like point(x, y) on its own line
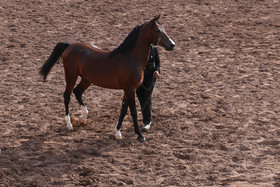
point(83, 56)
point(93, 64)
point(84, 49)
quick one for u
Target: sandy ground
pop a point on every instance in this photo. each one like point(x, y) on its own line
point(216, 105)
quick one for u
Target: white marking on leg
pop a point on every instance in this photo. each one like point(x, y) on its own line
point(118, 134)
point(68, 121)
point(84, 114)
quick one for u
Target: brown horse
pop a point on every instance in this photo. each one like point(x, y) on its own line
point(121, 68)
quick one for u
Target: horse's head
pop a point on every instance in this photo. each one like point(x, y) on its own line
point(158, 35)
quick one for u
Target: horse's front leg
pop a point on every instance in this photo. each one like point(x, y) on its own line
point(132, 108)
point(118, 134)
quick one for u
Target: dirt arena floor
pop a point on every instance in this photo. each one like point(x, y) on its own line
point(216, 106)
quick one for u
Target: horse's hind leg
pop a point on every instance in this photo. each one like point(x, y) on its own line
point(78, 91)
point(70, 82)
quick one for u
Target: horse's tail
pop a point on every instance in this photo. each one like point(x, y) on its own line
point(54, 57)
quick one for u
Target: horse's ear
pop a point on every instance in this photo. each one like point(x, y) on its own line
point(157, 17)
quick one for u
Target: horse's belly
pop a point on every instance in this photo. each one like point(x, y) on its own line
point(111, 84)
point(104, 79)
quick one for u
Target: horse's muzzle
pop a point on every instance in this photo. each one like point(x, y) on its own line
point(170, 46)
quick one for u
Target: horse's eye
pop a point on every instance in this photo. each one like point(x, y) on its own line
point(158, 30)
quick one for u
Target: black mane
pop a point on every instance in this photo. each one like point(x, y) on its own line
point(128, 44)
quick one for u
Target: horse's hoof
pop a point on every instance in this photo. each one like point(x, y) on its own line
point(118, 135)
point(83, 117)
point(141, 139)
point(83, 120)
point(70, 127)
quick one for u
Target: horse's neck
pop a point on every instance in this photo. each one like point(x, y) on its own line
point(142, 51)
